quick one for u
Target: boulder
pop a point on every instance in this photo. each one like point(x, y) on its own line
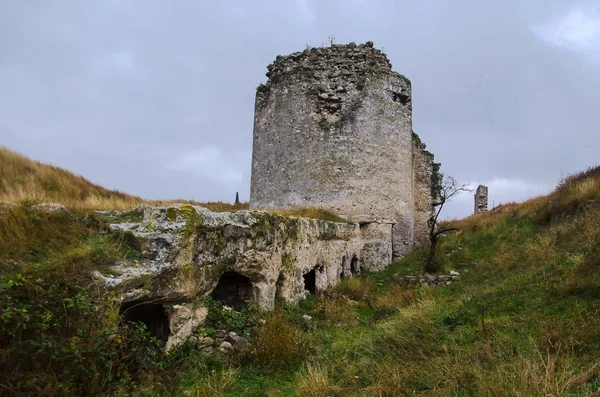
point(225, 347)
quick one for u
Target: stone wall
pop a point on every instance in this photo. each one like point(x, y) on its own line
point(425, 177)
point(481, 199)
point(333, 129)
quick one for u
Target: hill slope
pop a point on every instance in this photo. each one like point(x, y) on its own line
point(524, 320)
point(22, 179)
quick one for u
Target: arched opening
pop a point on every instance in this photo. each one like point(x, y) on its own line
point(279, 286)
point(153, 315)
point(343, 270)
point(354, 266)
point(310, 281)
point(233, 289)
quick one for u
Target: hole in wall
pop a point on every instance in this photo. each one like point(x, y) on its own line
point(343, 272)
point(233, 289)
point(401, 97)
point(354, 266)
point(279, 286)
point(310, 281)
point(152, 315)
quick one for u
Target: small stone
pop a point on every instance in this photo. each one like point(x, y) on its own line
point(454, 273)
point(448, 282)
point(193, 340)
point(221, 333)
point(226, 347)
point(233, 337)
point(207, 341)
point(242, 345)
point(369, 44)
point(208, 350)
point(219, 341)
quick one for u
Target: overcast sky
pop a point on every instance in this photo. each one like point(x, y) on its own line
point(156, 98)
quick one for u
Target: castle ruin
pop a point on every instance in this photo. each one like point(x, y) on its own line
point(481, 199)
point(333, 130)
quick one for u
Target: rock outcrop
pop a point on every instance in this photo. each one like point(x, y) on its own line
point(189, 252)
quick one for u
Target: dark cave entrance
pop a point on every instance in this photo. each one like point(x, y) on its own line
point(279, 287)
point(343, 274)
point(233, 289)
point(354, 266)
point(310, 281)
point(153, 315)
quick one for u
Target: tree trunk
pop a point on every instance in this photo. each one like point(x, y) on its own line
point(430, 262)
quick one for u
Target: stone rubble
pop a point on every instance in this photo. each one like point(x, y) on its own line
point(430, 280)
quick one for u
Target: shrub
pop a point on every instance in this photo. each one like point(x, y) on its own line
point(221, 317)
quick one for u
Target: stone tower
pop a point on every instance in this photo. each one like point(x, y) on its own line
point(333, 129)
point(481, 199)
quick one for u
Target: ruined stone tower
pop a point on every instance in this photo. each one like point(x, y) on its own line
point(481, 199)
point(333, 129)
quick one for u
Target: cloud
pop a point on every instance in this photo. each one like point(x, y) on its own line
point(207, 163)
point(500, 191)
point(577, 30)
point(121, 60)
point(305, 13)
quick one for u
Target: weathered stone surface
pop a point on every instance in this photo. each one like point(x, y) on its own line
point(49, 207)
point(481, 199)
point(187, 251)
point(427, 280)
point(333, 129)
point(425, 179)
point(242, 345)
point(183, 320)
point(226, 347)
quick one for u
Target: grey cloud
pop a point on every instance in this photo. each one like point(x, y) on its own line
point(122, 91)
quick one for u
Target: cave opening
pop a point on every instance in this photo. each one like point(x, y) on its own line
point(279, 287)
point(152, 315)
point(354, 266)
point(233, 289)
point(310, 281)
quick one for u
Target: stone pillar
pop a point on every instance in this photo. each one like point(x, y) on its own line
point(481, 199)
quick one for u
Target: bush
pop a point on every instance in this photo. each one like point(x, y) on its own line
point(48, 345)
point(221, 317)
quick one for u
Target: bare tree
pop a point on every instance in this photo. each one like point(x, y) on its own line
point(445, 191)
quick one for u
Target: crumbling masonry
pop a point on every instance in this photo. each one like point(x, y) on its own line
point(481, 199)
point(333, 129)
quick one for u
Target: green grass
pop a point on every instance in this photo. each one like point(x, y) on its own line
point(524, 319)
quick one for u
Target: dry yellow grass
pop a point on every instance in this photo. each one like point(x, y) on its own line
point(315, 382)
point(277, 341)
point(22, 179)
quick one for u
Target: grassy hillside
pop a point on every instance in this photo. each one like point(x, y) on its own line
point(22, 179)
point(524, 320)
